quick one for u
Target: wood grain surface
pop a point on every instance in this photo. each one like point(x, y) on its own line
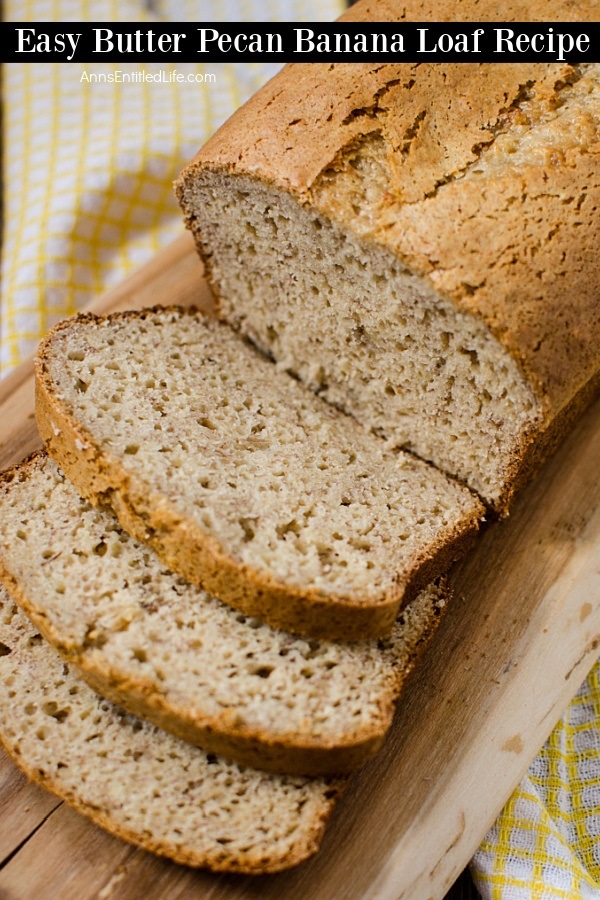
point(519, 638)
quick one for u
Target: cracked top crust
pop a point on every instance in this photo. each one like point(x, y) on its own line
point(483, 178)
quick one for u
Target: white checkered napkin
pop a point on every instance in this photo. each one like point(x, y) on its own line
point(88, 168)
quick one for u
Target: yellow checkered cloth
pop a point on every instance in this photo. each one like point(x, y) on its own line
point(88, 167)
point(546, 842)
point(87, 198)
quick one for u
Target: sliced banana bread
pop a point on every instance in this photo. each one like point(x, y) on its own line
point(141, 783)
point(240, 478)
point(419, 244)
point(167, 651)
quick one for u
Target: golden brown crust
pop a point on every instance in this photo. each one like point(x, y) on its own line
point(190, 552)
point(472, 11)
point(251, 862)
point(287, 755)
point(509, 253)
point(523, 254)
point(290, 754)
point(543, 444)
point(184, 856)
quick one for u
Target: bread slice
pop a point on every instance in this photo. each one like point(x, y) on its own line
point(169, 652)
point(241, 479)
point(141, 783)
point(387, 234)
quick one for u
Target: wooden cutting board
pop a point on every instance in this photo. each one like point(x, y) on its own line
point(521, 635)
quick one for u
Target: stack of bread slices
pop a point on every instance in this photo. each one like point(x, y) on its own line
point(221, 584)
point(230, 555)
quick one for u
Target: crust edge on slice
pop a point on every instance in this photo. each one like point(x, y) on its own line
point(187, 550)
point(216, 861)
point(290, 753)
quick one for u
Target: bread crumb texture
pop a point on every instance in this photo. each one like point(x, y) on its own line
point(171, 652)
point(209, 446)
point(141, 783)
point(418, 243)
